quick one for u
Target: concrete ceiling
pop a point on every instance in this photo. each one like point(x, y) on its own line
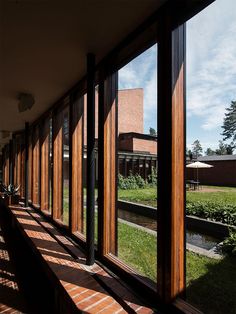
point(43, 47)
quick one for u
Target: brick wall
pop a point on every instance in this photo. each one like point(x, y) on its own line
point(130, 112)
point(142, 145)
point(223, 173)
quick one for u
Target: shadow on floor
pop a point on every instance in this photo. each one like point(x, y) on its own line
point(23, 285)
point(215, 292)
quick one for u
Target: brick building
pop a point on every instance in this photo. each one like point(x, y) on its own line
point(137, 152)
point(223, 172)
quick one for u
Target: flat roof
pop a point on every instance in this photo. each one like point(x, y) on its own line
point(217, 158)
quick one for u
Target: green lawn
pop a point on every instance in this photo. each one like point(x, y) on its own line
point(148, 196)
point(211, 284)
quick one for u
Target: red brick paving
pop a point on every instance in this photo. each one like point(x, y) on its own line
point(73, 275)
point(11, 299)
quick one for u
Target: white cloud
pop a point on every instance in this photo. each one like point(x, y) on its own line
point(211, 63)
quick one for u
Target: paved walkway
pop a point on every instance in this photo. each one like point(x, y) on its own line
point(11, 297)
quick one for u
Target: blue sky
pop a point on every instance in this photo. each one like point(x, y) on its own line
point(211, 73)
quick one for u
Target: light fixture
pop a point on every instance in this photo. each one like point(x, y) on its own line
point(26, 102)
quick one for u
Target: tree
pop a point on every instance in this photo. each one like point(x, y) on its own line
point(229, 124)
point(152, 131)
point(189, 153)
point(196, 148)
point(225, 149)
point(209, 152)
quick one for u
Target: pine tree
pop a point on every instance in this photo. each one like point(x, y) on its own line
point(229, 124)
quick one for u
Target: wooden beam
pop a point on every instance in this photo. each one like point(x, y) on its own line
point(26, 164)
point(35, 166)
point(30, 167)
point(108, 165)
point(57, 120)
point(90, 157)
point(76, 163)
point(171, 160)
point(44, 169)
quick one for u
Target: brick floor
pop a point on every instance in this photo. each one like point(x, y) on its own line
point(11, 298)
point(70, 273)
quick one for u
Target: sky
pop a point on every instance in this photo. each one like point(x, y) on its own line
point(210, 74)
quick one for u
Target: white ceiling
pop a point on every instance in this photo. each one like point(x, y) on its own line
point(43, 47)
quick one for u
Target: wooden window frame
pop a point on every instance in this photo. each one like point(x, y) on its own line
point(57, 120)
point(44, 169)
point(30, 167)
point(76, 144)
point(36, 166)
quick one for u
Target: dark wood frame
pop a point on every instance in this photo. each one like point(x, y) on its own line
point(57, 119)
point(76, 125)
point(36, 166)
point(44, 153)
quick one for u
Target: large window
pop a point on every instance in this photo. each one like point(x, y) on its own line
point(137, 170)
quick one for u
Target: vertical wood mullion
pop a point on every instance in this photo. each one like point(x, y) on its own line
point(90, 158)
point(30, 166)
point(57, 165)
point(171, 160)
point(76, 164)
point(108, 166)
point(22, 181)
point(26, 164)
point(44, 182)
point(11, 162)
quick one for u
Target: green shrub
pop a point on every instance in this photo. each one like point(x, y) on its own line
point(229, 244)
point(217, 211)
point(152, 178)
point(131, 182)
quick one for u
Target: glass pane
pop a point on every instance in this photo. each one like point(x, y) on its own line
point(210, 186)
point(137, 164)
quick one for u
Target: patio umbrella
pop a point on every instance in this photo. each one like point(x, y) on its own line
point(197, 165)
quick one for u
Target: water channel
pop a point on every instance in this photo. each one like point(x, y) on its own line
point(192, 237)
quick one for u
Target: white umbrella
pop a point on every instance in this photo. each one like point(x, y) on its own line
point(197, 165)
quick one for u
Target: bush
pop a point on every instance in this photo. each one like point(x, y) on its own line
point(229, 244)
point(216, 211)
point(131, 182)
point(152, 178)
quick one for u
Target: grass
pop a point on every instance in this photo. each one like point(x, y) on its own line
point(226, 195)
point(148, 196)
point(138, 249)
point(211, 285)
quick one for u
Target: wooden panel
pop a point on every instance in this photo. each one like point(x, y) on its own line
point(22, 176)
point(171, 161)
point(6, 165)
point(18, 160)
point(44, 182)
point(14, 160)
point(26, 164)
point(30, 168)
point(108, 166)
point(76, 164)
point(57, 166)
point(35, 166)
